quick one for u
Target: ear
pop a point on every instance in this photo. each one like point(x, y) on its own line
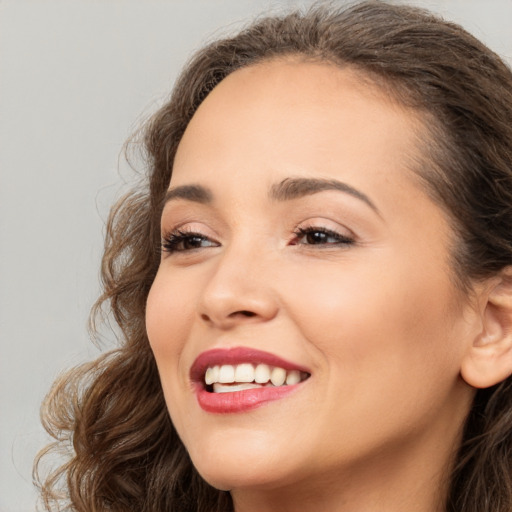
point(488, 359)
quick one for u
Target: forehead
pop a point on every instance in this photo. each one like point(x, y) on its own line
point(290, 109)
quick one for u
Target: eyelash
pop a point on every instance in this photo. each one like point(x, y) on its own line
point(172, 241)
point(308, 231)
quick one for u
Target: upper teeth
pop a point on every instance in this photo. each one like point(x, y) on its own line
point(246, 372)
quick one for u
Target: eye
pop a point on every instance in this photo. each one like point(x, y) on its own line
point(320, 236)
point(181, 241)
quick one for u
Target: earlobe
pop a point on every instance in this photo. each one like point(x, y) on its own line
point(488, 360)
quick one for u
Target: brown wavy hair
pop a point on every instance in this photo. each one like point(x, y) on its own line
point(110, 414)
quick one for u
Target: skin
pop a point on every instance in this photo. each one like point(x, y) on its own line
point(378, 322)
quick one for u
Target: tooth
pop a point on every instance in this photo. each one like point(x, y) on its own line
point(226, 374)
point(232, 388)
point(262, 373)
point(292, 378)
point(211, 375)
point(244, 373)
point(278, 376)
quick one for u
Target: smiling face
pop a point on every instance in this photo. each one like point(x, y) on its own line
point(297, 239)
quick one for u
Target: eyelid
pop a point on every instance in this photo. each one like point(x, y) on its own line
point(183, 233)
point(194, 216)
point(321, 242)
point(191, 225)
point(326, 224)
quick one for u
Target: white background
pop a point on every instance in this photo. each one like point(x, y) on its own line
point(75, 78)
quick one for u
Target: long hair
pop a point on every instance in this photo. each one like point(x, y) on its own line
point(111, 415)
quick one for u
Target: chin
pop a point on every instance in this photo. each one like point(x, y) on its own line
point(228, 479)
point(228, 466)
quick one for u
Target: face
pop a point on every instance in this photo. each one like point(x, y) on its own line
point(298, 245)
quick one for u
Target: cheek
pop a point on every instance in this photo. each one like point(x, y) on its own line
point(168, 318)
point(388, 344)
point(169, 314)
point(371, 322)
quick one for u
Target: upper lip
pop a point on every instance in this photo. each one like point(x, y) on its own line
point(238, 355)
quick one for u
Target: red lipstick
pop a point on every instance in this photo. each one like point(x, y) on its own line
point(241, 400)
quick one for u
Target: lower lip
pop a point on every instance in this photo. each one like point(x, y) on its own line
point(241, 401)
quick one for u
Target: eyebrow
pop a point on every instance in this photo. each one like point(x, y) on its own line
point(196, 193)
point(293, 188)
point(286, 190)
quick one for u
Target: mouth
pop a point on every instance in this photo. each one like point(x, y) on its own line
point(230, 378)
point(239, 379)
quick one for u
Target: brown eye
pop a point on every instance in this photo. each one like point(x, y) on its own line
point(181, 241)
point(192, 242)
point(320, 236)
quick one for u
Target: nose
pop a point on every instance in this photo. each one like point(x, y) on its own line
point(240, 290)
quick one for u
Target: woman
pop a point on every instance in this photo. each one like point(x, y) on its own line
point(316, 307)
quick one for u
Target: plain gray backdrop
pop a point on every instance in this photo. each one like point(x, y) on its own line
point(76, 77)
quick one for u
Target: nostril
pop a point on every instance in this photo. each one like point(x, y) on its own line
point(243, 313)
